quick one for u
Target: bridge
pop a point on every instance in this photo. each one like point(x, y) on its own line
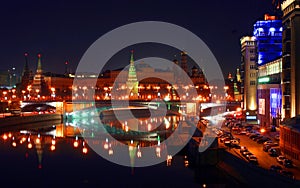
point(63, 107)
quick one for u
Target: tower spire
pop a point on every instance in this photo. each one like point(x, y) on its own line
point(26, 67)
point(132, 82)
point(39, 67)
point(131, 57)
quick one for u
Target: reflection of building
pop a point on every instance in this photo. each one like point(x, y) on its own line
point(269, 92)
point(291, 58)
point(248, 73)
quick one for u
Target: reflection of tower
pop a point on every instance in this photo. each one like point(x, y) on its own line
point(39, 151)
point(184, 65)
point(38, 85)
point(132, 82)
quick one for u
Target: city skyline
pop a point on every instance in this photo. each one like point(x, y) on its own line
point(62, 31)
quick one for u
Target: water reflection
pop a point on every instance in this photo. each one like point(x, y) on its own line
point(47, 138)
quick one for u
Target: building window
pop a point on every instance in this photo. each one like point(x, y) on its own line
point(252, 83)
point(252, 67)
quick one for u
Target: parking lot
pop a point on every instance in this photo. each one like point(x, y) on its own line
point(264, 158)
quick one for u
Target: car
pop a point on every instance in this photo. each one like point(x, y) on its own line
point(288, 163)
point(287, 174)
point(276, 168)
point(266, 148)
point(252, 159)
point(242, 132)
point(262, 140)
point(280, 159)
point(254, 135)
point(224, 138)
point(257, 137)
point(243, 149)
point(268, 142)
point(249, 132)
point(227, 142)
point(234, 142)
point(245, 153)
point(273, 152)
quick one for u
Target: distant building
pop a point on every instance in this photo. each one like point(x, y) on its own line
point(237, 86)
point(38, 85)
point(291, 58)
point(4, 79)
point(26, 76)
point(268, 36)
point(248, 73)
point(269, 93)
point(184, 62)
point(132, 82)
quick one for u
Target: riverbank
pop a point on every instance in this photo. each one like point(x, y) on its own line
point(17, 120)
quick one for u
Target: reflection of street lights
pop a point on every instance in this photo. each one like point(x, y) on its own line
point(53, 92)
point(4, 93)
point(37, 93)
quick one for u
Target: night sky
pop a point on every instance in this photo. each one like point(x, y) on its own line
point(63, 30)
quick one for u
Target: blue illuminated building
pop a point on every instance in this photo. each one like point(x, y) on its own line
point(268, 35)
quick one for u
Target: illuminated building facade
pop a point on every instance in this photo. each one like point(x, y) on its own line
point(269, 93)
point(38, 86)
point(291, 58)
point(26, 75)
point(290, 138)
point(248, 73)
point(132, 82)
point(268, 34)
point(184, 63)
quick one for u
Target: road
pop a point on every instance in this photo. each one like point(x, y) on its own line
point(264, 159)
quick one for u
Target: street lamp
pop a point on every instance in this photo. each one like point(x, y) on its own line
point(53, 93)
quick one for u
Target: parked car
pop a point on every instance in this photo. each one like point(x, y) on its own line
point(245, 153)
point(288, 163)
point(254, 135)
point(268, 142)
point(227, 142)
point(276, 168)
point(287, 174)
point(273, 152)
point(280, 159)
point(243, 149)
point(253, 159)
point(242, 132)
point(224, 138)
point(266, 148)
point(262, 140)
point(234, 143)
point(257, 138)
